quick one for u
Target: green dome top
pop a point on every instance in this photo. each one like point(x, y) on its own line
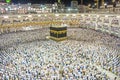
point(8, 1)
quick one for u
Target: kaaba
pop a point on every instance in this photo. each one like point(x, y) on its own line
point(58, 33)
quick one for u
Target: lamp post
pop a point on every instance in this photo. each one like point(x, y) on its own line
point(81, 2)
point(105, 4)
point(97, 3)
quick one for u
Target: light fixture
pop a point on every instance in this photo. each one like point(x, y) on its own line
point(6, 17)
point(97, 15)
point(105, 4)
point(67, 14)
point(74, 15)
point(29, 15)
point(106, 15)
point(39, 15)
point(82, 14)
point(69, 9)
point(56, 14)
point(19, 16)
point(45, 15)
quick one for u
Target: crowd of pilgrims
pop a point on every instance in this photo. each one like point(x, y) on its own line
point(29, 56)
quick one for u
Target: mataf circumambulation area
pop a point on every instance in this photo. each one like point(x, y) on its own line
point(89, 53)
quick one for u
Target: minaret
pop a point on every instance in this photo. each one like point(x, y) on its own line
point(113, 0)
point(81, 2)
point(97, 1)
point(103, 2)
point(74, 4)
point(59, 1)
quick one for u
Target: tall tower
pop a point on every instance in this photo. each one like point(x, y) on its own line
point(59, 1)
point(74, 4)
point(113, 0)
point(81, 2)
point(103, 2)
point(97, 3)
